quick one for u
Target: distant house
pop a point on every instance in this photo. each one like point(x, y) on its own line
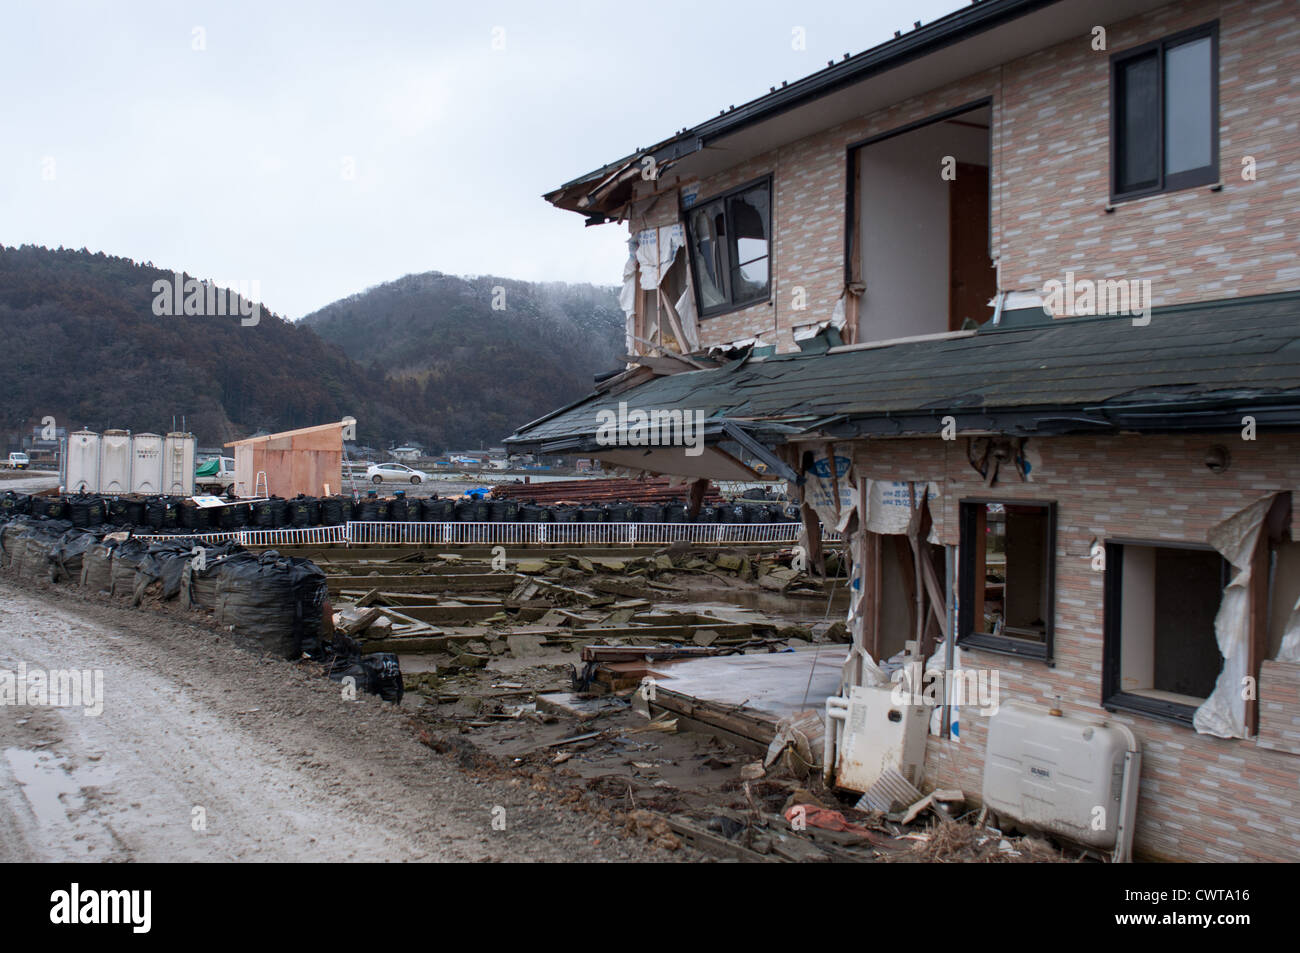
point(410, 451)
point(1013, 302)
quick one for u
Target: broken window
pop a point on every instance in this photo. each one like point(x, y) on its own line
point(1161, 657)
point(1007, 576)
point(1164, 114)
point(730, 240)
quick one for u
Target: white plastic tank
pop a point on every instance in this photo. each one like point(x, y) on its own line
point(178, 464)
point(1075, 776)
point(881, 731)
point(83, 462)
point(115, 461)
point(146, 463)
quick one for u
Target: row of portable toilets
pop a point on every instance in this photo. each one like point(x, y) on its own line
point(119, 462)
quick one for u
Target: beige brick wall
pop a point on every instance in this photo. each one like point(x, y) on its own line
point(1202, 798)
point(1051, 169)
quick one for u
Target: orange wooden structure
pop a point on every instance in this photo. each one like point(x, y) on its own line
point(296, 461)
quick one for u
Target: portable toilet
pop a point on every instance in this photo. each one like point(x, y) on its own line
point(146, 463)
point(178, 464)
point(115, 461)
point(83, 462)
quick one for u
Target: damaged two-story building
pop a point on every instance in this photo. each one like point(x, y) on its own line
point(1013, 302)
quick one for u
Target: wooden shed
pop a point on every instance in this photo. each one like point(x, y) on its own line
point(308, 461)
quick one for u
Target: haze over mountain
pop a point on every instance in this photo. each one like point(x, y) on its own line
point(424, 358)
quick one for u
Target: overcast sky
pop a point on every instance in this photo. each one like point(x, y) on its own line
point(218, 138)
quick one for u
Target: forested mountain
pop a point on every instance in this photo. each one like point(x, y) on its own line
point(487, 354)
point(84, 346)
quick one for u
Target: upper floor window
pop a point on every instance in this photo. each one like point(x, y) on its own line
point(1165, 114)
point(730, 240)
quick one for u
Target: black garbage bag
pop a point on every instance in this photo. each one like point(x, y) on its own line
point(130, 559)
point(331, 511)
point(172, 557)
point(620, 513)
point(193, 517)
point(160, 513)
point(115, 511)
point(83, 510)
point(472, 511)
point(13, 503)
point(398, 509)
point(274, 600)
point(11, 531)
point(385, 675)
point(437, 511)
point(27, 542)
point(378, 673)
point(242, 514)
point(97, 566)
point(67, 554)
point(300, 511)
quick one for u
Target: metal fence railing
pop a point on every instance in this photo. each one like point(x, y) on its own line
point(509, 534)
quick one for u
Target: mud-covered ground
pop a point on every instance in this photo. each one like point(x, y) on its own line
point(206, 750)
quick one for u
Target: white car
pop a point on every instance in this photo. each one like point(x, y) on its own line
point(18, 461)
point(395, 473)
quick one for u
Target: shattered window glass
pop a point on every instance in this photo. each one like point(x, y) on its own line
point(708, 234)
point(730, 240)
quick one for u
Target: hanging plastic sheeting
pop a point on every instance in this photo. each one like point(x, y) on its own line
point(821, 485)
point(655, 252)
point(1223, 714)
point(840, 510)
point(890, 502)
point(627, 296)
point(685, 307)
point(1290, 648)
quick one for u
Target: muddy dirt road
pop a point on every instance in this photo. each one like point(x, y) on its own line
point(267, 755)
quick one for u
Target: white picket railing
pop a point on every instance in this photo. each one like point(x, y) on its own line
point(509, 534)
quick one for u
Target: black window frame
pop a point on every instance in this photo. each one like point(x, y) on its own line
point(1191, 178)
point(967, 637)
point(685, 212)
point(1113, 696)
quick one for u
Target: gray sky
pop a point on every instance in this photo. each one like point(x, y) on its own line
point(231, 161)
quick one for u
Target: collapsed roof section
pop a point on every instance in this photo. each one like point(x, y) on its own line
point(1196, 367)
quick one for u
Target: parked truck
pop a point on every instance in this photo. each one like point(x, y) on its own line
point(215, 476)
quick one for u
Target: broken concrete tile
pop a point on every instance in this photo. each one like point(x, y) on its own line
point(704, 637)
point(525, 646)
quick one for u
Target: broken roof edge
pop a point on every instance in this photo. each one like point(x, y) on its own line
point(922, 41)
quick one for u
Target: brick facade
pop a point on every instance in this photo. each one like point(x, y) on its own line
point(1202, 798)
point(1050, 178)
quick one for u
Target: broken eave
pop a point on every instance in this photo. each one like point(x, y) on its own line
point(978, 37)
